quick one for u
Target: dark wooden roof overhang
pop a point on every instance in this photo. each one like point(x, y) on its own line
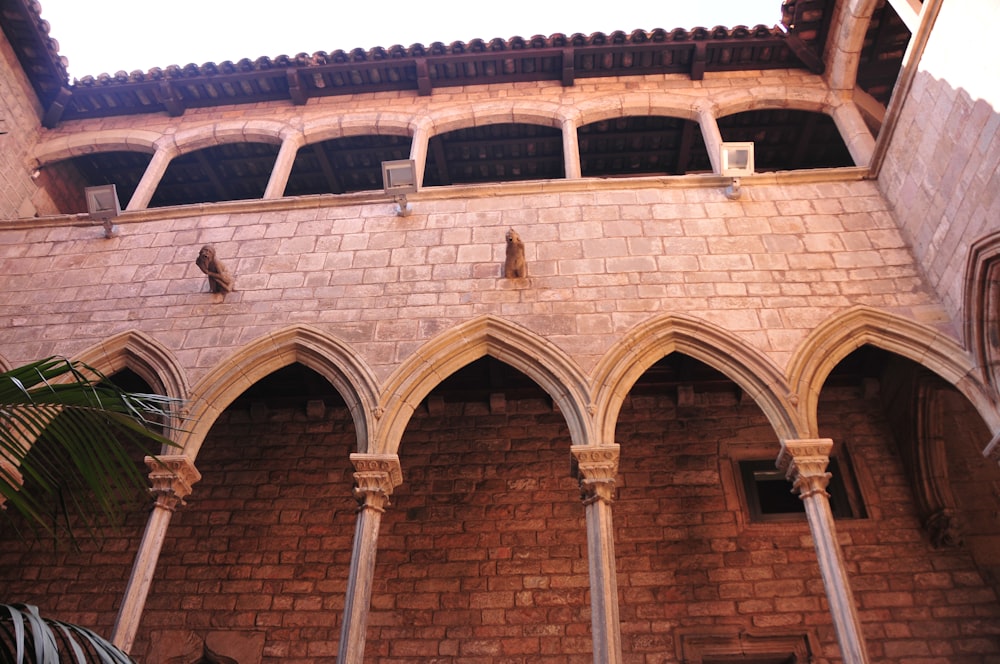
point(421, 69)
point(38, 54)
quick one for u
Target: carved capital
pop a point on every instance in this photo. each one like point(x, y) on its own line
point(375, 476)
point(595, 467)
point(171, 476)
point(944, 528)
point(804, 462)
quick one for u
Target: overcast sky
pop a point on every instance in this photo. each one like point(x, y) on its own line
point(100, 36)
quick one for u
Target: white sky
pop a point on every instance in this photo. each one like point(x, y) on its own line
point(100, 36)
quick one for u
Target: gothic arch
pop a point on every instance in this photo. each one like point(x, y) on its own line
point(838, 336)
point(324, 354)
point(148, 358)
point(106, 140)
point(527, 352)
point(652, 340)
point(981, 308)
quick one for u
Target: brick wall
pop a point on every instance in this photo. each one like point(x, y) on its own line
point(482, 555)
point(19, 113)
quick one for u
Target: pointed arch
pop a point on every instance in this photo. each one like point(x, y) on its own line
point(539, 359)
point(652, 340)
point(840, 335)
point(147, 357)
point(324, 354)
point(144, 355)
point(981, 307)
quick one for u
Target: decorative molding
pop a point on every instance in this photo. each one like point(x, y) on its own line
point(375, 477)
point(595, 467)
point(172, 477)
point(804, 462)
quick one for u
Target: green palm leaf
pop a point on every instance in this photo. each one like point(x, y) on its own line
point(69, 436)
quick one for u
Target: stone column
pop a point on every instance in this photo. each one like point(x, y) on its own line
point(595, 466)
point(171, 477)
point(858, 138)
point(712, 137)
point(283, 167)
point(150, 179)
point(571, 150)
point(805, 462)
point(376, 475)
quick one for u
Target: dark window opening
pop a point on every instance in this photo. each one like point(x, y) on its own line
point(228, 172)
point(769, 495)
point(787, 140)
point(343, 165)
point(642, 145)
point(494, 153)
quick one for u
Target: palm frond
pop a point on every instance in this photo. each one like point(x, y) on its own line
point(67, 429)
point(28, 638)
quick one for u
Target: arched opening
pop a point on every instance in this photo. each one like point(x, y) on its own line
point(642, 145)
point(226, 172)
point(503, 152)
point(915, 446)
point(263, 547)
point(65, 180)
point(483, 552)
point(342, 165)
point(788, 139)
point(80, 576)
point(691, 559)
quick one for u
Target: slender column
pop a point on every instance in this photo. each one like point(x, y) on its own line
point(596, 467)
point(419, 145)
point(805, 462)
point(859, 140)
point(712, 136)
point(150, 179)
point(376, 475)
point(283, 167)
point(571, 150)
point(172, 477)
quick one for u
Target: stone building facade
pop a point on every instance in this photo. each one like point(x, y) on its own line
point(590, 463)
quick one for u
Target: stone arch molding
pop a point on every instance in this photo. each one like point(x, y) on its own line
point(324, 354)
point(553, 370)
point(144, 355)
point(105, 140)
point(839, 335)
point(652, 340)
point(981, 307)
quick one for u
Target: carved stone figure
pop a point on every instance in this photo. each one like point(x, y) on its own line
point(514, 266)
point(219, 278)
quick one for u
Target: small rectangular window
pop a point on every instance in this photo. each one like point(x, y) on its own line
point(770, 498)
